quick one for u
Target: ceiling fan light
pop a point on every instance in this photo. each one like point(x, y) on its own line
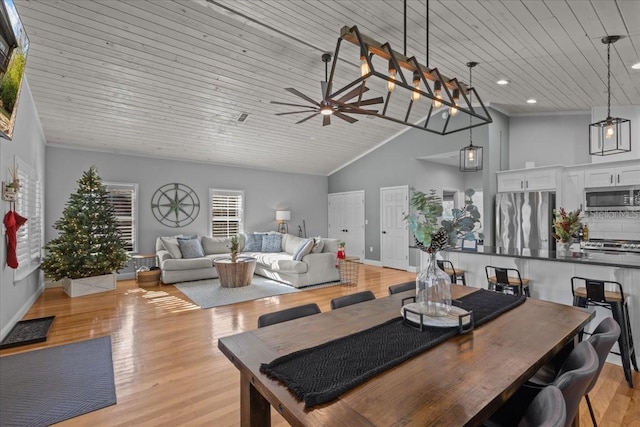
point(326, 110)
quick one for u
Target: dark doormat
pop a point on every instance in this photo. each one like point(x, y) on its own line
point(28, 332)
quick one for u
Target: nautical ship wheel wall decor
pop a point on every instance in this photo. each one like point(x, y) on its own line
point(175, 205)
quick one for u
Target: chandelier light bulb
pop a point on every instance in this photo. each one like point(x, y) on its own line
point(610, 131)
point(437, 90)
point(391, 83)
point(471, 156)
point(364, 66)
point(453, 110)
point(415, 95)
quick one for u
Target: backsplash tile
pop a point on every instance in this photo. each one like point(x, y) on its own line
point(613, 225)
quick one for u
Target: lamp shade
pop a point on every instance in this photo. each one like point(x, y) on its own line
point(283, 215)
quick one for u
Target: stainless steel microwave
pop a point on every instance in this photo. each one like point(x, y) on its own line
point(612, 199)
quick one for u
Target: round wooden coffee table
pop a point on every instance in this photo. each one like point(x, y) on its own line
point(235, 274)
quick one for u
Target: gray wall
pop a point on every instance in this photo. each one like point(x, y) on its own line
point(304, 195)
point(396, 163)
point(28, 144)
point(549, 140)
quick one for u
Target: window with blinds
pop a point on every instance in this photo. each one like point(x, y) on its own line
point(28, 205)
point(227, 207)
point(123, 199)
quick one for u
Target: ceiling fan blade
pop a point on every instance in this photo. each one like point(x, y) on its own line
point(301, 95)
point(307, 118)
point(353, 92)
point(344, 117)
point(326, 120)
point(291, 105)
point(292, 112)
point(378, 100)
point(361, 111)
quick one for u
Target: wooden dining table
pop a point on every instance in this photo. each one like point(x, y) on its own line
point(459, 382)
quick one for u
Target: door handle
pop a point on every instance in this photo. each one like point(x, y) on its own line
point(384, 232)
point(610, 179)
point(618, 178)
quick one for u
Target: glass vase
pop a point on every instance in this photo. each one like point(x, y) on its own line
point(433, 289)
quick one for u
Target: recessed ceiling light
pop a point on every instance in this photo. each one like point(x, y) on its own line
point(531, 101)
point(503, 82)
point(636, 66)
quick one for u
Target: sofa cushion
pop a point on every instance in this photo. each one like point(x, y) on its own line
point(171, 245)
point(303, 249)
point(290, 243)
point(216, 245)
point(330, 245)
point(190, 247)
point(186, 264)
point(318, 245)
point(253, 243)
point(272, 242)
point(279, 262)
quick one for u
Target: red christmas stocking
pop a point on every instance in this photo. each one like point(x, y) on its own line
point(13, 221)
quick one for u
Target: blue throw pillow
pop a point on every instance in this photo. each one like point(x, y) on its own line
point(253, 243)
point(303, 249)
point(190, 248)
point(272, 242)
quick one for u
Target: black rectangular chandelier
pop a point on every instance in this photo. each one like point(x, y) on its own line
point(412, 92)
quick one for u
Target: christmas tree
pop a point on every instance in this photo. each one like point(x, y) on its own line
point(89, 243)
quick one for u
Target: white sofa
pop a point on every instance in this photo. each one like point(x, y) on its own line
point(312, 268)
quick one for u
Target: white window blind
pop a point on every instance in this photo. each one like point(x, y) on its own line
point(28, 205)
point(227, 207)
point(123, 199)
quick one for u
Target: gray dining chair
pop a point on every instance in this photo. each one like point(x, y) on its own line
point(352, 299)
point(573, 379)
point(288, 314)
point(548, 409)
point(602, 340)
point(402, 287)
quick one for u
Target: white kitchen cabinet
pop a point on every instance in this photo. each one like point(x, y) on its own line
point(537, 179)
point(612, 177)
point(572, 190)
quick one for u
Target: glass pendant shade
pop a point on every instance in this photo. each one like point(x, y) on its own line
point(610, 136)
point(471, 159)
point(613, 134)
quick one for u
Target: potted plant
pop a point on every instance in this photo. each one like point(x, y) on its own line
point(234, 248)
point(433, 293)
point(89, 248)
point(565, 226)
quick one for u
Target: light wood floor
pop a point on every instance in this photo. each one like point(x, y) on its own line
point(168, 368)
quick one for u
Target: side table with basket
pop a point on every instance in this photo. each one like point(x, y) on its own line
point(146, 270)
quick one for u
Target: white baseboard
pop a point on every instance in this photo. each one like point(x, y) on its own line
point(372, 262)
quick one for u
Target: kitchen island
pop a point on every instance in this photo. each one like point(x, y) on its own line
point(550, 273)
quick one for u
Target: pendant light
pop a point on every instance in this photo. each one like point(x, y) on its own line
point(613, 134)
point(471, 156)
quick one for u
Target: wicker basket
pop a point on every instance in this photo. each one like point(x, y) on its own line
point(349, 268)
point(148, 278)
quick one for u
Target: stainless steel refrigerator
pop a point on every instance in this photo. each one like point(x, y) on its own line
point(524, 220)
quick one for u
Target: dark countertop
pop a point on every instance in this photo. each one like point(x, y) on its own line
point(610, 259)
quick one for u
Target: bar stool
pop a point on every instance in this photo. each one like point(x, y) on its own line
point(455, 274)
point(502, 279)
point(609, 294)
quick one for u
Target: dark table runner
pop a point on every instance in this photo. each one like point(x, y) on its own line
point(322, 373)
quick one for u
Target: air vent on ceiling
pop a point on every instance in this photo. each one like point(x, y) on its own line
point(242, 117)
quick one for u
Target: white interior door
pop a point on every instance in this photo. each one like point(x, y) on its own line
point(394, 241)
point(346, 221)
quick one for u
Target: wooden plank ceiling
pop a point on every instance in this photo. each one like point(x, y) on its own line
point(170, 78)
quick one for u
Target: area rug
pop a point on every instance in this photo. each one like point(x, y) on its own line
point(209, 293)
point(28, 332)
point(50, 385)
